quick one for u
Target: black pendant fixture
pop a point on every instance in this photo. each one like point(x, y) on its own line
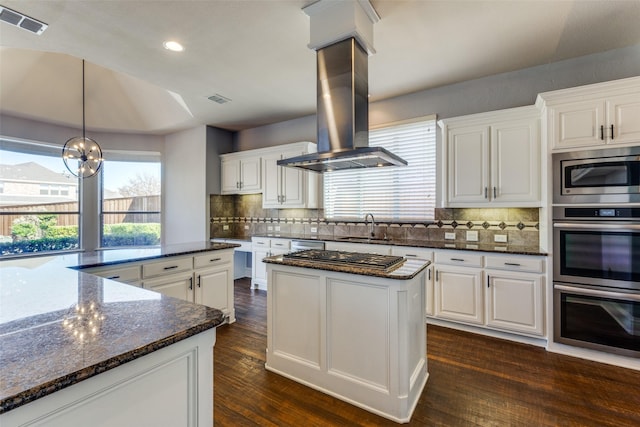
point(82, 155)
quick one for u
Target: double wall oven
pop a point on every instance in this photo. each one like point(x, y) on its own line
point(596, 250)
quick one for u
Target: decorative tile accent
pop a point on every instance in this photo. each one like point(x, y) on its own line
point(486, 225)
point(454, 224)
point(502, 225)
point(520, 225)
point(469, 224)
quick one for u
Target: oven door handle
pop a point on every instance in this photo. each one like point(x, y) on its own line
point(591, 225)
point(597, 293)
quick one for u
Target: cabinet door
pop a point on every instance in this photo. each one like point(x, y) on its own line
point(230, 173)
point(515, 302)
point(515, 162)
point(174, 285)
point(214, 288)
point(458, 294)
point(293, 183)
point(468, 163)
point(624, 115)
point(579, 124)
point(250, 176)
point(271, 191)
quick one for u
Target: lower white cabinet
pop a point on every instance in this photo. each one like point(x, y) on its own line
point(497, 291)
point(458, 294)
point(126, 274)
point(178, 285)
point(263, 247)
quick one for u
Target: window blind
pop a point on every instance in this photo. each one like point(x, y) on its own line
point(394, 193)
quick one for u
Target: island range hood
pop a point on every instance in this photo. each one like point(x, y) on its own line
point(343, 112)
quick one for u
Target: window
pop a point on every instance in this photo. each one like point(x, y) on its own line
point(39, 205)
point(131, 199)
point(392, 193)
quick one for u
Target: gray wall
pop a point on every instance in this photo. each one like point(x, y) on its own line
point(500, 91)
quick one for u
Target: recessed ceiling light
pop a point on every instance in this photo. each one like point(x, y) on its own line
point(173, 45)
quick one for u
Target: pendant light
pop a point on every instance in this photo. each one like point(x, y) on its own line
point(82, 155)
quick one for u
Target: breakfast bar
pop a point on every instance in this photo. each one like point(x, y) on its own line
point(79, 349)
point(350, 325)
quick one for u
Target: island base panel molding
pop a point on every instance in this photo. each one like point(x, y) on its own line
point(171, 386)
point(361, 339)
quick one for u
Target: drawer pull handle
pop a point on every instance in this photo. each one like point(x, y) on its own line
point(457, 259)
point(113, 277)
point(198, 281)
point(215, 259)
point(612, 132)
point(514, 264)
point(411, 255)
point(171, 267)
point(278, 244)
point(602, 132)
point(190, 283)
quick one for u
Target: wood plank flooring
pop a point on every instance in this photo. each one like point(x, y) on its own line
point(474, 381)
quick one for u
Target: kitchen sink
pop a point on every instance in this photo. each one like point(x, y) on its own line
point(361, 239)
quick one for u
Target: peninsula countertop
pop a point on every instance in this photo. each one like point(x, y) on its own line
point(45, 347)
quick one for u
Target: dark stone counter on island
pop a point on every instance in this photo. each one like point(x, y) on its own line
point(44, 347)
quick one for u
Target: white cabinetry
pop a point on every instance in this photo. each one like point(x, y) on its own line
point(286, 187)
point(213, 277)
point(515, 294)
point(513, 300)
point(263, 247)
point(593, 116)
point(240, 173)
point(458, 287)
point(420, 253)
point(492, 159)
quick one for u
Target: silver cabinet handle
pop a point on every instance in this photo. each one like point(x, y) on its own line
point(198, 281)
point(486, 196)
point(495, 192)
point(190, 283)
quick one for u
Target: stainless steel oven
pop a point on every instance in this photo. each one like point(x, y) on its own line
point(610, 175)
point(596, 274)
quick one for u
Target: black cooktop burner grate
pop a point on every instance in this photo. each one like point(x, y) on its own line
point(375, 261)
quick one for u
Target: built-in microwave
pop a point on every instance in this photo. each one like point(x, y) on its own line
point(610, 175)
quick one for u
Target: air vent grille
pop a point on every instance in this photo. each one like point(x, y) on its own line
point(219, 98)
point(22, 21)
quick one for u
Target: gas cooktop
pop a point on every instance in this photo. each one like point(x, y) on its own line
point(374, 261)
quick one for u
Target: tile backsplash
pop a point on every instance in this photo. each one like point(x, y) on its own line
point(243, 216)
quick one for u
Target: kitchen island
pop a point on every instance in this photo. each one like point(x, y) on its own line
point(78, 349)
point(352, 331)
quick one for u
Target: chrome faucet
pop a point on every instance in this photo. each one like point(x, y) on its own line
point(372, 225)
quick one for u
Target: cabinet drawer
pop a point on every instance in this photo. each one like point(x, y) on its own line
point(261, 242)
point(411, 252)
point(121, 274)
point(530, 264)
point(168, 266)
point(281, 244)
point(457, 258)
point(211, 259)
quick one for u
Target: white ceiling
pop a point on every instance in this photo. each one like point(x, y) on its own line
point(255, 53)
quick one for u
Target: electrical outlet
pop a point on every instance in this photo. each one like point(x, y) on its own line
point(246, 227)
point(472, 236)
point(500, 238)
point(314, 229)
point(277, 228)
point(449, 236)
point(225, 227)
point(269, 227)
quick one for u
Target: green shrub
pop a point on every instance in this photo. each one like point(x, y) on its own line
point(131, 234)
point(38, 245)
point(62, 231)
point(24, 230)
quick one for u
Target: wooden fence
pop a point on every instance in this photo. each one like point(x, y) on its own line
point(116, 211)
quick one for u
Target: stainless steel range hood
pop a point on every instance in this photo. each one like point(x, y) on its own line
point(343, 114)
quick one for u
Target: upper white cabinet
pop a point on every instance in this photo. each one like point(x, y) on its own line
point(593, 116)
point(492, 159)
point(286, 187)
point(241, 173)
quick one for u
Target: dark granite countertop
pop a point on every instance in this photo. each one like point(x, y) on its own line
point(409, 269)
point(427, 244)
point(41, 350)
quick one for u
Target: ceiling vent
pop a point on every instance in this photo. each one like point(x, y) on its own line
point(22, 21)
point(219, 98)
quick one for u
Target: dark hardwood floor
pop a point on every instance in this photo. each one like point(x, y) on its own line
point(474, 381)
